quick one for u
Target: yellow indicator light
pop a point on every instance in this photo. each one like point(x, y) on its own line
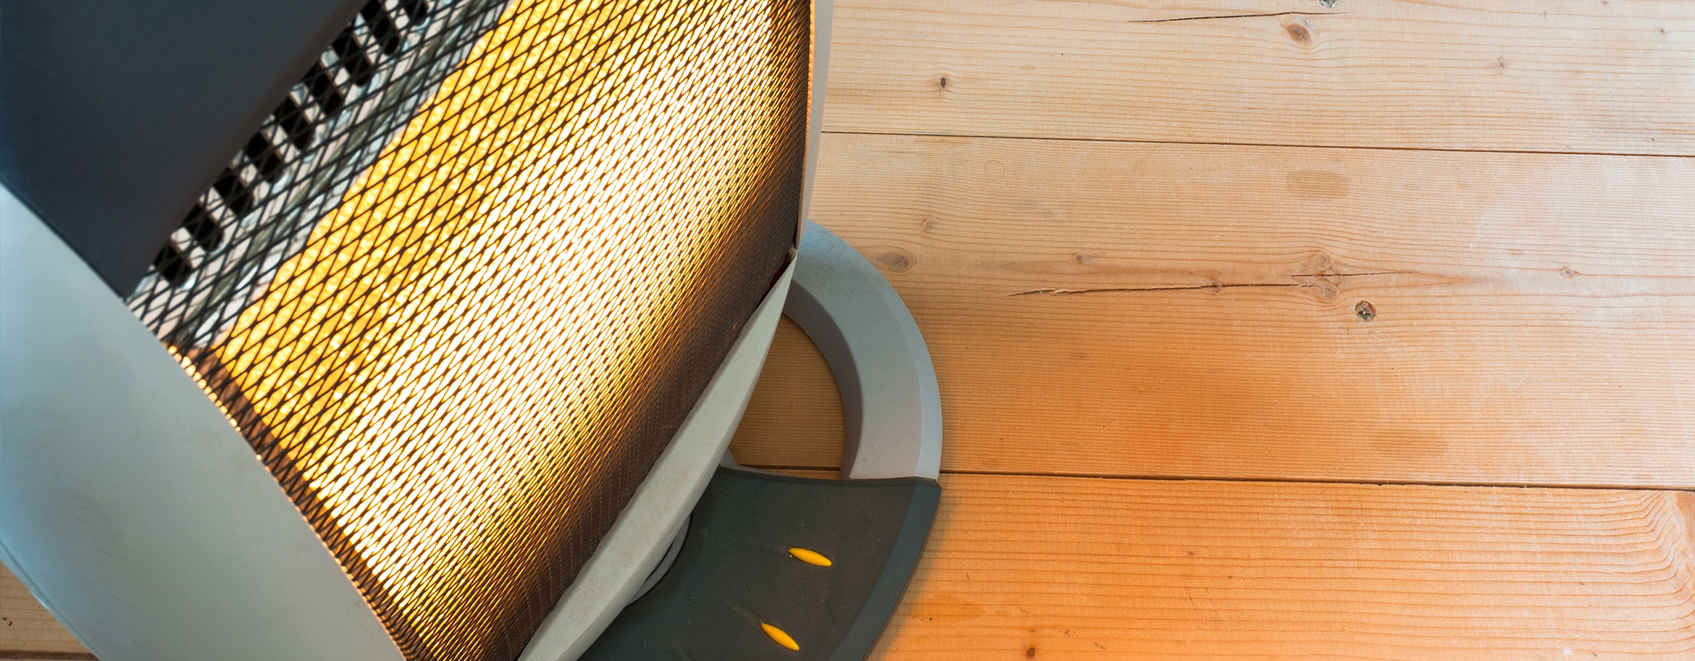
point(781, 637)
point(809, 556)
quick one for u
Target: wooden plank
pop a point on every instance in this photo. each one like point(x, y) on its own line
point(1075, 568)
point(27, 630)
point(1616, 76)
point(1191, 311)
point(1066, 568)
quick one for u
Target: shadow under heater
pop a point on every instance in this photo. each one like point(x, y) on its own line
point(474, 358)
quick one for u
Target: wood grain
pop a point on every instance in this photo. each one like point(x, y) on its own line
point(1570, 76)
point(1195, 310)
point(1066, 568)
point(1101, 568)
point(1192, 311)
point(27, 630)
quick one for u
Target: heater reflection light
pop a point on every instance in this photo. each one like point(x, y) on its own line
point(441, 359)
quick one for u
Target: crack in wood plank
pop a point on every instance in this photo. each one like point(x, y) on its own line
point(1231, 16)
point(1055, 291)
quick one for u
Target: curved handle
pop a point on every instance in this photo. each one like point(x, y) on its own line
point(891, 406)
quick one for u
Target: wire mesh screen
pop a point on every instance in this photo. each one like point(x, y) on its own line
point(465, 283)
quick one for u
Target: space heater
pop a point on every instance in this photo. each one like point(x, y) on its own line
point(418, 329)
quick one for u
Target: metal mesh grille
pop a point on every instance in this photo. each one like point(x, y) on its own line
point(499, 253)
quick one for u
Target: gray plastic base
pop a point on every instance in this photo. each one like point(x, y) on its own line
point(890, 402)
point(735, 574)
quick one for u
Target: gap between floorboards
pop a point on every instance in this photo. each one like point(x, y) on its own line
point(1297, 480)
point(1549, 152)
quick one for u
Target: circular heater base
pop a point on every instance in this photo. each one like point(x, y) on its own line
point(776, 567)
point(891, 406)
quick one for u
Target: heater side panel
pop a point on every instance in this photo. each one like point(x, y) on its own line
point(128, 503)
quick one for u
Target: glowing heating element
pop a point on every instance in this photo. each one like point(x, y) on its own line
point(478, 353)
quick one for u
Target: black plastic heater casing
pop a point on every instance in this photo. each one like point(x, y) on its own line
point(115, 115)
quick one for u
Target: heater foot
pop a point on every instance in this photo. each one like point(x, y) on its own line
point(779, 567)
point(891, 406)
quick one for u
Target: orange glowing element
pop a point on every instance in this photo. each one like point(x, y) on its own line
point(463, 295)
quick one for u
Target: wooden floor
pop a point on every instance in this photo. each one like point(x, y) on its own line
point(1270, 330)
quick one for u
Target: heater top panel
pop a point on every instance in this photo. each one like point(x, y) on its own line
point(473, 270)
point(115, 114)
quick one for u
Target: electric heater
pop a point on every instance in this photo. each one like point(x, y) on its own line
point(418, 329)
